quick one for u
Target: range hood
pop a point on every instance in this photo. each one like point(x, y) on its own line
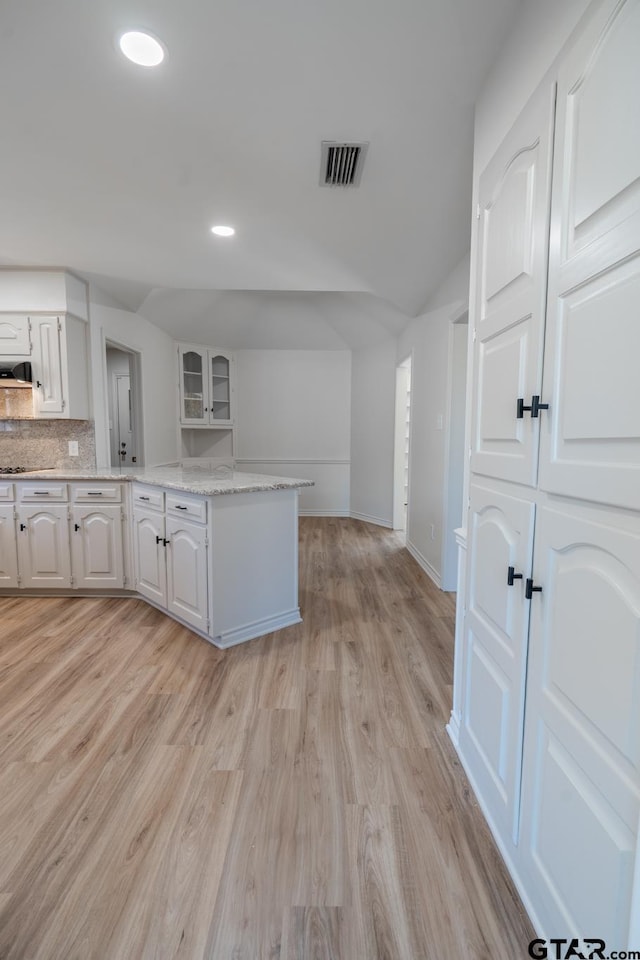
point(12, 373)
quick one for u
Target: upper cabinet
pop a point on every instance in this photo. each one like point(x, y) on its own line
point(15, 336)
point(59, 362)
point(206, 386)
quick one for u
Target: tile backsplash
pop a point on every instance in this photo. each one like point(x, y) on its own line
point(16, 402)
point(40, 444)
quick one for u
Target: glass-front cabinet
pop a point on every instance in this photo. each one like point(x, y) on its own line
point(206, 386)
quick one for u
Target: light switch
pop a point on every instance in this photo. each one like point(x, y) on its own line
point(73, 448)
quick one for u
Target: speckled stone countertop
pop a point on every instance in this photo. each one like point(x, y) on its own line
point(188, 480)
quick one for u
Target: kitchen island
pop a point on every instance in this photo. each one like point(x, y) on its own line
point(216, 551)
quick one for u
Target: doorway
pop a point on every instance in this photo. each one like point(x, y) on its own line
point(454, 448)
point(402, 449)
point(123, 406)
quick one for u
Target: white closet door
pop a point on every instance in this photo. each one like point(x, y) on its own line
point(590, 445)
point(496, 630)
point(581, 774)
point(511, 294)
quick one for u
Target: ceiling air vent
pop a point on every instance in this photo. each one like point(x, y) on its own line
point(341, 163)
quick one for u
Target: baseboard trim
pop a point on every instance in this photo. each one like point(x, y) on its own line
point(504, 853)
point(368, 519)
point(259, 628)
point(430, 571)
point(323, 513)
point(453, 729)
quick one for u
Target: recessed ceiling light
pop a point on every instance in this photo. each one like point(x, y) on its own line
point(223, 231)
point(142, 48)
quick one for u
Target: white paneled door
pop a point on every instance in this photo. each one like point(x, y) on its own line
point(511, 295)
point(96, 547)
point(496, 630)
point(590, 446)
point(43, 546)
point(187, 572)
point(581, 778)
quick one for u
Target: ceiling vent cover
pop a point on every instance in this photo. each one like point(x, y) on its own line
point(341, 163)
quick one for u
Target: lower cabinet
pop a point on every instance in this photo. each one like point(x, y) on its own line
point(96, 546)
point(8, 547)
point(44, 557)
point(171, 557)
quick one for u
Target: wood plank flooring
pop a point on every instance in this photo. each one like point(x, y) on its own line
point(296, 797)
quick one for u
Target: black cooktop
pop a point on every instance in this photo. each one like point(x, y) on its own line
point(14, 470)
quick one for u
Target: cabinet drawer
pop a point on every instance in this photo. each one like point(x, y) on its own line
point(149, 497)
point(6, 492)
point(90, 492)
point(34, 492)
point(185, 506)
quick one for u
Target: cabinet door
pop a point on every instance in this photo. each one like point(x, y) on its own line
point(150, 556)
point(96, 547)
point(47, 367)
point(8, 547)
point(495, 643)
point(15, 336)
point(220, 387)
point(43, 546)
point(590, 446)
point(187, 572)
point(581, 775)
point(510, 302)
point(194, 398)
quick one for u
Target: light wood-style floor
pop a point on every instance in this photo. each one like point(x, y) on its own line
point(296, 797)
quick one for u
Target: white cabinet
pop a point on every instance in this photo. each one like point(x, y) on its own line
point(206, 386)
point(59, 361)
point(8, 546)
point(171, 555)
point(97, 556)
point(15, 336)
point(548, 681)
point(43, 545)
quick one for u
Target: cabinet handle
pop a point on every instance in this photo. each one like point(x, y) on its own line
point(38, 384)
point(76, 527)
point(22, 527)
point(144, 498)
point(512, 575)
point(169, 541)
point(41, 493)
point(94, 493)
point(158, 540)
point(529, 589)
point(178, 507)
point(520, 408)
point(536, 406)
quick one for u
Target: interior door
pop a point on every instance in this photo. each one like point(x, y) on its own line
point(590, 446)
point(581, 775)
point(512, 278)
point(496, 630)
point(124, 427)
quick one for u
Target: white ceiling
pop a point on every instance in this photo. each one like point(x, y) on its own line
point(118, 172)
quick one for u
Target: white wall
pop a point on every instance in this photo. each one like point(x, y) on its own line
point(294, 419)
point(427, 339)
point(158, 377)
point(373, 391)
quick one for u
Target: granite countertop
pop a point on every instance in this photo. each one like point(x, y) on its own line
point(189, 480)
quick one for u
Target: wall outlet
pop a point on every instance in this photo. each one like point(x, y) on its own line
point(73, 448)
